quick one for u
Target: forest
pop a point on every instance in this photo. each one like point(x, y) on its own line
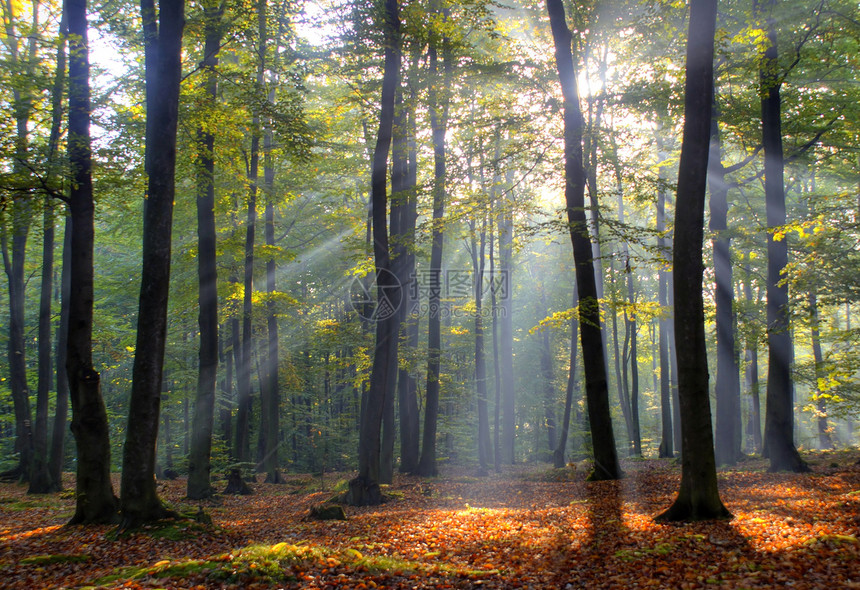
point(398, 254)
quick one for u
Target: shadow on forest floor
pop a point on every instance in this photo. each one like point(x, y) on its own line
point(529, 526)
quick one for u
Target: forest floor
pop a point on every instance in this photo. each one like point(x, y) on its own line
point(529, 527)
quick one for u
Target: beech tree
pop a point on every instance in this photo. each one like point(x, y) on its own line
point(439, 104)
point(163, 49)
point(728, 434)
point(94, 498)
point(698, 498)
point(364, 489)
point(199, 459)
point(779, 414)
point(597, 394)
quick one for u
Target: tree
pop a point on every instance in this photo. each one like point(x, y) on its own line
point(43, 478)
point(94, 498)
point(558, 454)
point(825, 438)
point(243, 415)
point(698, 498)
point(58, 428)
point(404, 186)
point(199, 459)
point(481, 399)
point(20, 210)
point(597, 395)
point(439, 103)
point(779, 414)
point(505, 307)
point(364, 489)
point(728, 434)
point(163, 49)
point(667, 447)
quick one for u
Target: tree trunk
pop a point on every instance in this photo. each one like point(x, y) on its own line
point(58, 431)
point(43, 478)
point(620, 368)
point(407, 385)
point(438, 122)
point(751, 375)
point(95, 500)
point(698, 498)
point(728, 388)
point(667, 446)
point(605, 455)
point(243, 414)
point(40, 475)
point(364, 489)
point(547, 375)
point(825, 438)
point(779, 419)
point(200, 458)
point(506, 332)
point(558, 454)
point(163, 43)
point(21, 212)
point(629, 389)
point(632, 329)
point(482, 403)
point(497, 373)
point(271, 402)
point(673, 366)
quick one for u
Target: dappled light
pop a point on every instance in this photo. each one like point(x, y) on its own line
point(526, 527)
point(408, 294)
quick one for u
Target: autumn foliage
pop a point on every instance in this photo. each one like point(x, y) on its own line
point(528, 527)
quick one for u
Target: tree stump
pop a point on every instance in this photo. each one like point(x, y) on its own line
point(327, 512)
point(236, 485)
point(363, 492)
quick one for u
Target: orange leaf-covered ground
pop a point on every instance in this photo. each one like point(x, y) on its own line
point(519, 529)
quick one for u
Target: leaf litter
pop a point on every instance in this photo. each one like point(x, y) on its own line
point(528, 527)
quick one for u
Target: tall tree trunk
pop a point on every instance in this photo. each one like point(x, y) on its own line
point(727, 386)
point(243, 415)
point(620, 368)
point(596, 106)
point(236, 354)
point(825, 437)
point(271, 402)
point(497, 373)
point(751, 375)
point(364, 489)
point(698, 498)
point(21, 212)
point(597, 395)
point(628, 388)
point(667, 446)
point(547, 375)
point(673, 365)
point(779, 416)
point(506, 331)
point(482, 402)
point(43, 478)
point(200, 458)
point(40, 475)
point(633, 360)
point(94, 498)
point(439, 122)
point(163, 47)
point(407, 385)
point(397, 254)
point(61, 411)
point(558, 454)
